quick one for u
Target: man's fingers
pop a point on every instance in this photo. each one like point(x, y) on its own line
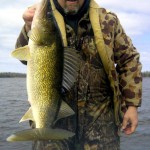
point(134, 126)
point(129, 127)
point(133, 129)
point(32, 7)
point(130, 120)
point(125, 123)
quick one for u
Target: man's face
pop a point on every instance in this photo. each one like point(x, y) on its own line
point(71, 6)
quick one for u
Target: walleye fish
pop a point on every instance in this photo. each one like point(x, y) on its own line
point(50, 67)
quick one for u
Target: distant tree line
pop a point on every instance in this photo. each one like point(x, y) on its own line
point(12, 75)
point(23, 75)
point(146, 74)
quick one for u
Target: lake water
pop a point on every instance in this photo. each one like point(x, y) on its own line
point(13, 104)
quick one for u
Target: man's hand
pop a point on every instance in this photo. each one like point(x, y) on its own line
point(130, 120)
point(28, 16)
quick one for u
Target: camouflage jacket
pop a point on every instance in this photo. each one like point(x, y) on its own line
point(119, 57)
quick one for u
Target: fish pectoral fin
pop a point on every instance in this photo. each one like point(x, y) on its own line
point(71, 67)
point(65, 111)
point(27, 116)
point(40, 134)
point(21, 53)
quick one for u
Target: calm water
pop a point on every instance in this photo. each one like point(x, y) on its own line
point(13, 104)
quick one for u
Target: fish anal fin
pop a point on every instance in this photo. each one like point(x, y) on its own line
point(65, 111)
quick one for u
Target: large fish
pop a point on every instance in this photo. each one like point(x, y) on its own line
point(50, 67)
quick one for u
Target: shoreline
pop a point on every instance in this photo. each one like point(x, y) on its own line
point(145, 74)
point(12, 75)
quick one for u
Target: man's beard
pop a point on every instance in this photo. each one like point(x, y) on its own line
point(71, 12)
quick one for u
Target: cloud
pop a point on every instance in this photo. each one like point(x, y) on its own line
point(11, 17)
point(127, 5)
point(13, 67)
point(17, 3)
point(145, 60)
point(134, 24)
point(134, 16)
point(11, 23)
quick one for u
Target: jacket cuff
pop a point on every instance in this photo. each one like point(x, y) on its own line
point(22, 39)
point(133, 104)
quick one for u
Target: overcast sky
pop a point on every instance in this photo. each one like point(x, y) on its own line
point(134, 16)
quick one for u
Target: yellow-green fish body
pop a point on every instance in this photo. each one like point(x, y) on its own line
point(44, 80)
point(45, 57)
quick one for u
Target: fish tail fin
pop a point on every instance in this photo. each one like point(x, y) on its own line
point(40, 134)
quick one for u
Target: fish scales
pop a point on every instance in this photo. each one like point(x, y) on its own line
point(45, 73)
point(45, 56)
point(45, 84)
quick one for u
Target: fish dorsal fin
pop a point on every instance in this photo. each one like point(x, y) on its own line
point(27, 116)
point(71, 67)
point(21, 53)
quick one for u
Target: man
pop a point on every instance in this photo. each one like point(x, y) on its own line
point(108, 89)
